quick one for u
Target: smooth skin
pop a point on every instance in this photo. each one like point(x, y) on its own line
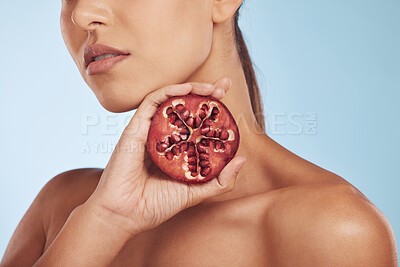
point(268, 207)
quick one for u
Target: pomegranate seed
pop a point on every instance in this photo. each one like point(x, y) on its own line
point(211, 145)
point(158, 147)
point(178, 123)
point(185, 131)
point(205, 142)
point(168, 141)
point(215, 111)
point(197, 122)
point(204, 130)
point(202, 114)
point(208, 122)
point(205, 171)
point(192, 160)
point(169, 110)
point(194, 174)
point(161, 147)
point(217, 133)
point(179, 108)
point(192, 168)
point(191, 151)
point(218, 145)
point(169, 155)
point(183, 147)
point(201, 148)
point(224, 135)
point(190, 122)
point(172, 118)
point(204, 156)
point(176, 138)
point(185, 114)
point(204, 107)
point(210, 134)
point(175, 151)
point(204, 163)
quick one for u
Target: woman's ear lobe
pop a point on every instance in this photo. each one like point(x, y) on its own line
point(223, 10)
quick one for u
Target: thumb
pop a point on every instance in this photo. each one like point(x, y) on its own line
point(227, 177)
point(225, 83)
point(224, 183)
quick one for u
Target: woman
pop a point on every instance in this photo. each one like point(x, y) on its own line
point(276, 209)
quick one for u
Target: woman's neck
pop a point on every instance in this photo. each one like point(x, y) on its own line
point(269, 165)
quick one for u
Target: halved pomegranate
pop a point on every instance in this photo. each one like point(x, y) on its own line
point(192, 138)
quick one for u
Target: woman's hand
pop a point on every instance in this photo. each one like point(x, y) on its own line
point(133, 193)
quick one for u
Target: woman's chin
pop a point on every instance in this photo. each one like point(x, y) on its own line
point(118, 106)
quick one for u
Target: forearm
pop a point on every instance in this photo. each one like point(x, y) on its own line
point(86, 239)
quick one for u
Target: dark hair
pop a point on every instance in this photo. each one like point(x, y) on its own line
point(251, 80)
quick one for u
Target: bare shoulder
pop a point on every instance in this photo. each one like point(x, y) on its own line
point(330, 224)
point(70, 189)
point(63, 193)
point(47, 214)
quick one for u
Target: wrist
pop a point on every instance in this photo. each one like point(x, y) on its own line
point(109, 219)
point(86, 239)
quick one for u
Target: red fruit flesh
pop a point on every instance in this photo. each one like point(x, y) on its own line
point(192, 138)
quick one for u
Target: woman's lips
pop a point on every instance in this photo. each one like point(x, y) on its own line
point(103, 51)
point(104, 65)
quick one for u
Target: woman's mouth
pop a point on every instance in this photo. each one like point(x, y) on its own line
point(105, 56)
point(100, 58)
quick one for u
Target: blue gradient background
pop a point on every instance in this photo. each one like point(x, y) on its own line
point(338, 59)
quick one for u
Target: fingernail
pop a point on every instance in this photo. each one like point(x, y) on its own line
point(240, 164)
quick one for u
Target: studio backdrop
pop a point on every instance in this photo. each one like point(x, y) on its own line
point(329, 73)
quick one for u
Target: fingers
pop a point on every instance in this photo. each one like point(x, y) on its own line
point(151, 102)
point(154, 99)
point(228, 175)
point(224, 183)
point(217, 90)
point(224, 83)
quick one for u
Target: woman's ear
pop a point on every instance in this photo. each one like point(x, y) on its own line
point(224, 9)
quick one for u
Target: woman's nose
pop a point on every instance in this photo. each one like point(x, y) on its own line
point(89, 14)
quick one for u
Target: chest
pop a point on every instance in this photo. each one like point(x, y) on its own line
point(198, 243)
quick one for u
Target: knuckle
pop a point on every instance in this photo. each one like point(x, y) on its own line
point(169, 88)
point(219, 186)
point(151, 98)
point(229, 187)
